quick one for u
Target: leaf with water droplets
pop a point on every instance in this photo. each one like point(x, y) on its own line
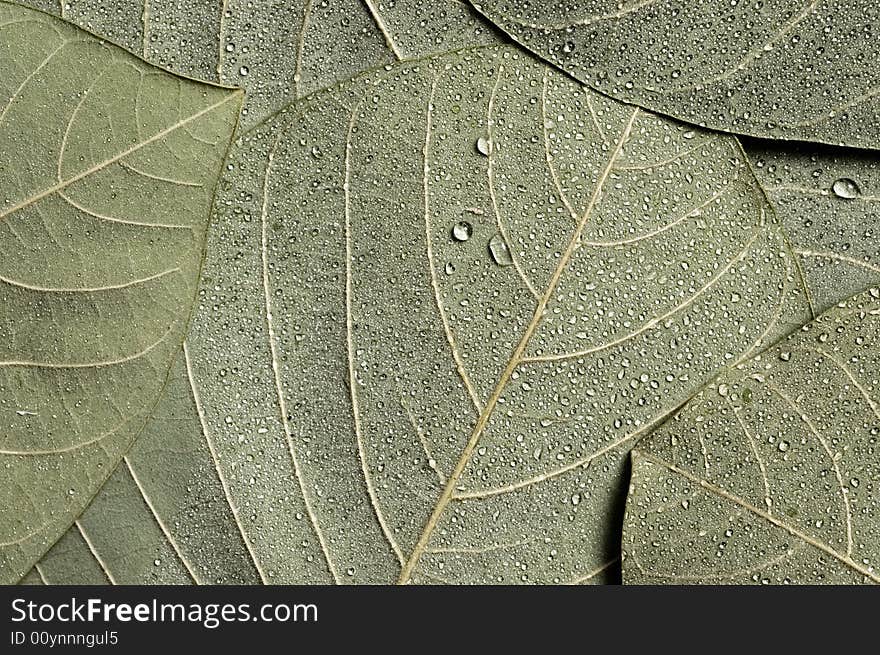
point(827, 199)
point(107, 171)
point(164, 516)
point(793, 69)
point(776, 481)
point(178, 531)
point(277, 51)
point(471, 419)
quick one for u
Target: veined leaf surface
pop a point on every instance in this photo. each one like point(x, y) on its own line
point(277, 51)
point(788, 69)
point(465, 286)
point(107, 171)
point(403, 30)
point(828, 201)
point(770, 474)
point(163, 517)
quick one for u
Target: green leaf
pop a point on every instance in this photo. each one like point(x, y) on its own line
point(278, 52)
point(410, 28)
point(828, 201)
point(770, 474)
point(107, 171)
point(786, 70)
point(163, 517)
point(430, 400)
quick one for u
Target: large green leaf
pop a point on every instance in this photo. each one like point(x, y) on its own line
point(464, 287)
point(770, 474)
point(828, 201)
point(107, 171)
point(790, 69)
point(277, 51)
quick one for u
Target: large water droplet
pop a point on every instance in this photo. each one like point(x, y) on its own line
point(462, 231)
point(500, 251)
point(484, 146)
point(846, 188)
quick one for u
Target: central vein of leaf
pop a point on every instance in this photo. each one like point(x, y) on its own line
point(514, 362)
point(115, 158)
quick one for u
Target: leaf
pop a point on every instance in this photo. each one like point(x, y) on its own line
point(787, 70)
point(770, 475)
point(107, 170)
point(422, 406)
point(163, 517)
point(451, 26)
point(278, 52)
point(828, 200)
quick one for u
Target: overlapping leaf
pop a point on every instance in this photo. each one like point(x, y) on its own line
point(828, 201)
point(791, 69)
point(163, 516)
point(277, 51)
point(268, 503)
point(408, 29)
point(107, 171)
point(464, 414)
point(770, 474)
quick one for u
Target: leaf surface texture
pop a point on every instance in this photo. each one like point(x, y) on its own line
point(468, 404)
point(108, 171)
point(770, 474)
point(792, 69)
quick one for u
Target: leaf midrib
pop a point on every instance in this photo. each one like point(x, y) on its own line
point(516, 357)
point(119, 156)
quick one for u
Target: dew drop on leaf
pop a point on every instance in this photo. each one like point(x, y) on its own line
point(462, 231)
point(846, 188)
point(500, 251)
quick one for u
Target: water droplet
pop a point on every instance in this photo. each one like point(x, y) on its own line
point(230, 47)
point(449, 269)
point(846, 188)
point(484, 146)
point(499, 250)
point(157, 562)
point(783, 446)
point(462, 231)
point(723, 389)
point(854, 482)
point(243, 71)
point(568, 47)
point(785, 356)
